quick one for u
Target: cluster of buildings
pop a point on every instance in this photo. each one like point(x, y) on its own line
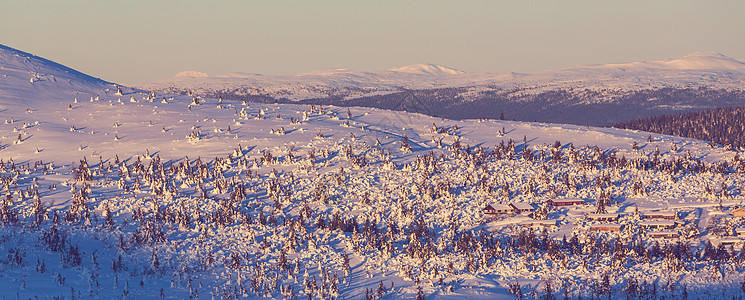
point(521, 207)
point(501, 209)
point(656, 224)
point(528, 209)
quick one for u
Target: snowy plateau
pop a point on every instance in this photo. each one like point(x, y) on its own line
point(117, 192)
point(599, 95)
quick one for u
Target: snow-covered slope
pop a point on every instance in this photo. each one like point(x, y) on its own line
point(174, 196)
point(32, 81)
point(63, 115)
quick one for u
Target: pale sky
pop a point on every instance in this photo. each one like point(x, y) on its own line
point(133, 42)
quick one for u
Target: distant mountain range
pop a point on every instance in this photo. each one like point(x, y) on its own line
point(598, 95)
point(587, 95)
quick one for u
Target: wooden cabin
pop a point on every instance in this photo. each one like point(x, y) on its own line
point(566, 202)
point(603, 217)
point(662, 224)
point(606, 227)
point(661, 215)
point(730, 241)
point(522, 207)
point(497, 209)
point(663, 234)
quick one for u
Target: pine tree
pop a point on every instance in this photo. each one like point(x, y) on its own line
point(516, 290)
point(155, 263)
point(420, 294)
point(548, 291)
point(605, 287)
point(405, 147)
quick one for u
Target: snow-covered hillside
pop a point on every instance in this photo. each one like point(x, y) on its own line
point(147, 195)
point(29, 80)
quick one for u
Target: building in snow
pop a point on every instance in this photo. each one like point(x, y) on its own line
point(730, 241)
point(661, 215)
point(497, 209)
point(662, 224)
point(606, 227)
point(663, 234)
point(603, 217)
point(522, 207)
point(566, 202)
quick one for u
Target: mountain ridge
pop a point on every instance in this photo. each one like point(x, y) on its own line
point(699, 60)
point(563, 95)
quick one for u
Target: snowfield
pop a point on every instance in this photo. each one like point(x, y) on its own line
point(115, 192)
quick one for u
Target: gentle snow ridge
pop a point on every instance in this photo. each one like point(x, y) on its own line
point(429, 69)
point(191, 74)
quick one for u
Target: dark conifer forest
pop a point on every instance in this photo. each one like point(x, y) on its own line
point(725, 126)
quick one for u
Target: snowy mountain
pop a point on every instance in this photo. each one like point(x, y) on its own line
point(309, 85)
point(592, 95)
point(144, 196)
point(705, 61)
point(191, 74)
point(429, 69)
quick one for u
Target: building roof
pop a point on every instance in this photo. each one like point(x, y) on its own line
point(661, 213)
point(663, 232)
point(657, 223)
point(598, 216)
point(568, 200)
point(730, 240)
point(606, 226)
point(499, 206)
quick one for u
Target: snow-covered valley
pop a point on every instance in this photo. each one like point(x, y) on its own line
point(115, 192)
